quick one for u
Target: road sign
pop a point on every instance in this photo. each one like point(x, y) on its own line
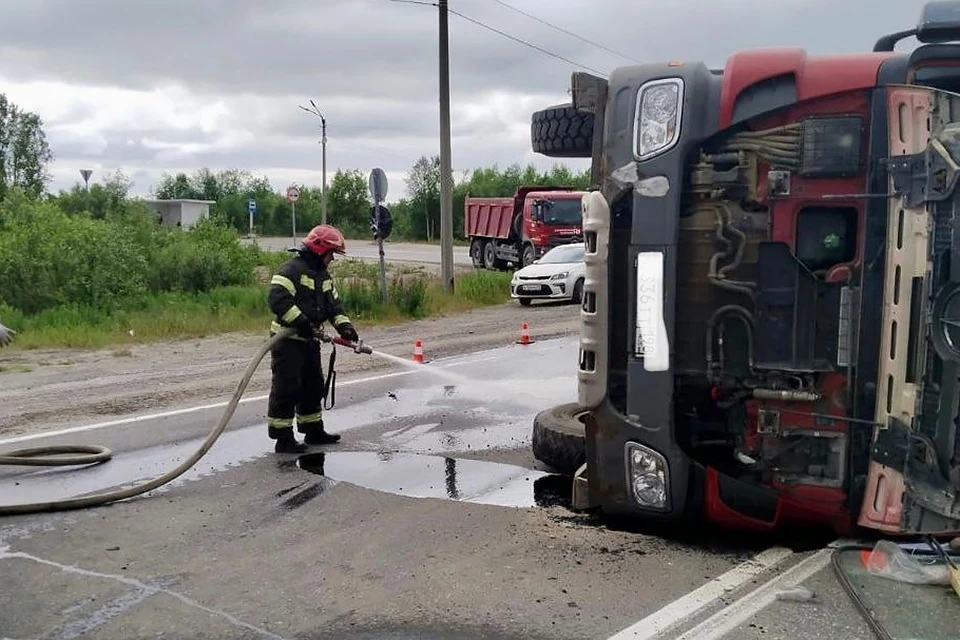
point(252, 205)
point(378, 185)
point(85, 174)
point(293, 194)
point(381, 222)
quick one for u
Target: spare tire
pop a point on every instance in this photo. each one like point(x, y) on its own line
point(562, 131)
point(559, 439)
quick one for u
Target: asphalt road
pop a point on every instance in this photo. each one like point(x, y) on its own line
point(401, 252)
point(429, 520)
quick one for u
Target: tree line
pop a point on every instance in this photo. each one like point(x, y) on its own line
point(415, 217)
point(25, 157)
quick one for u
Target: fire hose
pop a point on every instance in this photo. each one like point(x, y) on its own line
point(74, 455)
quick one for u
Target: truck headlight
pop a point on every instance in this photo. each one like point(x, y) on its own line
point(647, 476)
point(657, 119)
point(560, 276)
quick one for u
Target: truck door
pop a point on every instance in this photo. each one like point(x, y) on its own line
point(913, 482)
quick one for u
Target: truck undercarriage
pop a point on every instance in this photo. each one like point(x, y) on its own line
point(771, 319)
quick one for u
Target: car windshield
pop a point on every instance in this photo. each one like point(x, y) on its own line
point(563, 255)
point(562, 211)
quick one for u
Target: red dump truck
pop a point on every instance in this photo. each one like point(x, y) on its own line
point(521, 228)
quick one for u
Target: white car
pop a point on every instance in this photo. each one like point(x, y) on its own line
point(557, 275)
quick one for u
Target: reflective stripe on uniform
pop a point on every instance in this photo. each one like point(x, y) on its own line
point(310, 418)
point(292, 314)
point(284, 282)
point(339, 320)
point(280, 423)
point(307, 281)
point(276, 327)
point(327, 285)
point(335, 294)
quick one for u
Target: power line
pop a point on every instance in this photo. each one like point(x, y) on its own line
point(524, 42)
point(562, 30)
point(511, 37)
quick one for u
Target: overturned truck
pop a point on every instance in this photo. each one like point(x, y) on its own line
point(770, 330)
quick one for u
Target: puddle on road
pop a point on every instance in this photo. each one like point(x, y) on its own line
point(422, 476)
point(481, 408)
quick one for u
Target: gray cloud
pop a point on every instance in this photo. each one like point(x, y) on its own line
point(372, 67)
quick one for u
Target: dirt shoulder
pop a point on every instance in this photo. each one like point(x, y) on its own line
point(53, 389)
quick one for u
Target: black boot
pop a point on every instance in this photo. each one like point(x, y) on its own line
point(318, 436)
point(287, 443)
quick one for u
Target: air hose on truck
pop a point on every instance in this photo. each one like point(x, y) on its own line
point(73, 455)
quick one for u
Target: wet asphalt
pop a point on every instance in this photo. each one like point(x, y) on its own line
point(430, 519)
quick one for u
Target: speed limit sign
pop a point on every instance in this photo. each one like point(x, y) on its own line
point(293, 194)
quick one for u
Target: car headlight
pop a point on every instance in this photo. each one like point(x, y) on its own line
point(658, 114)
point(647, 476)
point(560, 276)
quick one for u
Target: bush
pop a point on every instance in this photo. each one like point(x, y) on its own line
point(50, 259)
point(81, 279)
point(201, 259)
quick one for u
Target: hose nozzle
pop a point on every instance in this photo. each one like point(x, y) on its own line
point(362, 348)
point(358, 347)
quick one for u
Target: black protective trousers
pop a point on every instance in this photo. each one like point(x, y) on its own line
point(296, 389)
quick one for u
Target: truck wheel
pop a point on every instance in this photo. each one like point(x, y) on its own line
point(489, 256)
point(529, 255)
point(559, 439)
point(562, 132)
point(476, 253)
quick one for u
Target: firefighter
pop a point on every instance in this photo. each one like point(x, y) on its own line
point(302, 296)
point(6, 335)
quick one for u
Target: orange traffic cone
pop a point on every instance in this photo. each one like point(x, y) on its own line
point(525, 334)
point(418, 351)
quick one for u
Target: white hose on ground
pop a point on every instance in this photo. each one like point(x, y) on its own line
point(84, 454)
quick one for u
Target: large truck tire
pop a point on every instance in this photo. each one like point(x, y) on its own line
point(476, 253)
point(490, 255)
point(559, 439)
point(562, 132)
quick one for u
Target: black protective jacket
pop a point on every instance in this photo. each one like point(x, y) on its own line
point(302, 296)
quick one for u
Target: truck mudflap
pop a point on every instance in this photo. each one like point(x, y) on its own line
point(592, 370)
point(913, 481)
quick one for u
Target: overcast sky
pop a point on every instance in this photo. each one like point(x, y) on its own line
point(154, 86)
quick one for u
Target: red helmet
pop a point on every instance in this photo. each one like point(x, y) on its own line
point(323, 239)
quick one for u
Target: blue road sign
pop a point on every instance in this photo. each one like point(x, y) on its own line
point(252, 205)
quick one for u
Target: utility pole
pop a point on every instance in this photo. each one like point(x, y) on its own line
point(323, 191)
point(323, 143)
point(446, 171)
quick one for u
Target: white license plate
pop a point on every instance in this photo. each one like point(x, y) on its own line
point(530, 287)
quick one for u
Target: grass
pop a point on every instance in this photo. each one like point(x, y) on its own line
point(16, 368)
point(179, 315)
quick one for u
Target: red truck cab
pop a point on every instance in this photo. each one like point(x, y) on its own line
point(769, 324)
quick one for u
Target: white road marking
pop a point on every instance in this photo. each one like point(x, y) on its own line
point(728, 619)
point(216, 405)
point(657, 624)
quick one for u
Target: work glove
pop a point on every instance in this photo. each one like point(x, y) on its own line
point(6, 335)
point(348, 332)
